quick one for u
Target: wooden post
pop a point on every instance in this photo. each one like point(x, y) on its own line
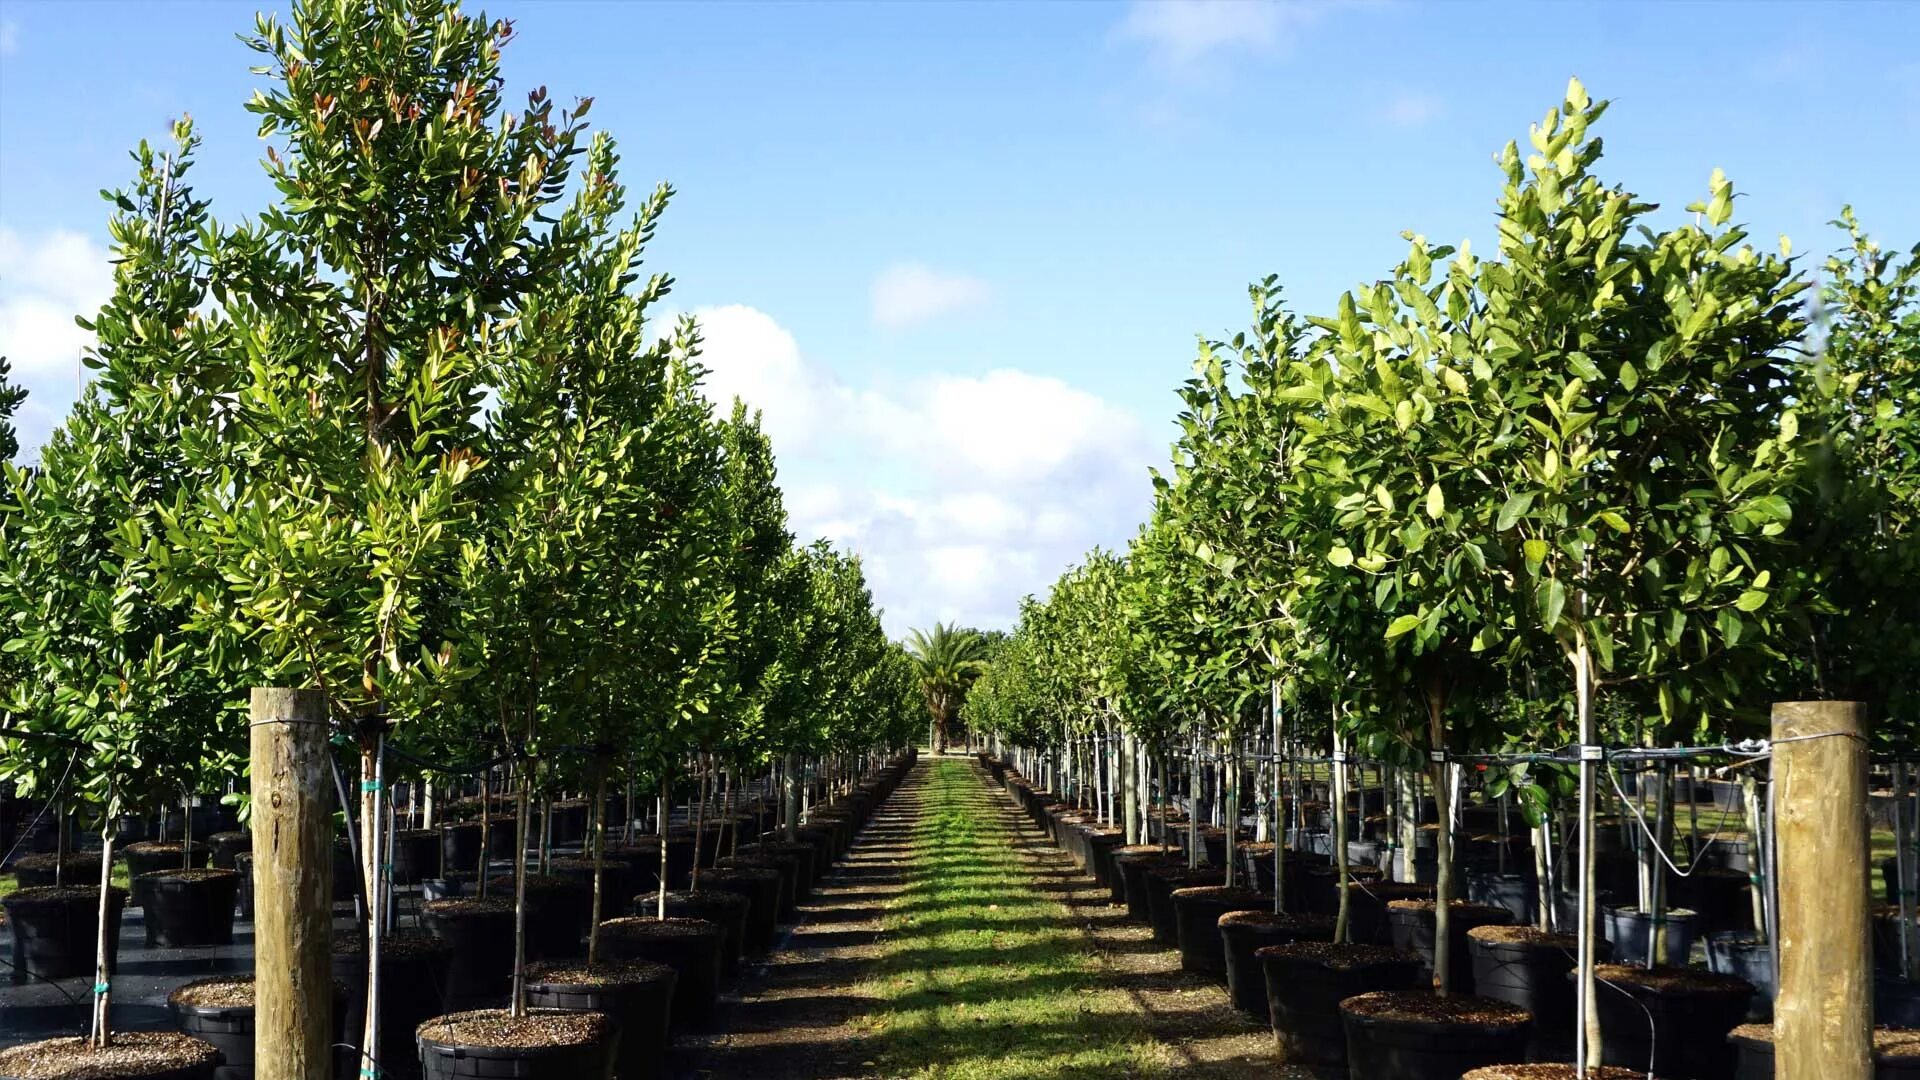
point(1823, 1015)
point(292, 884)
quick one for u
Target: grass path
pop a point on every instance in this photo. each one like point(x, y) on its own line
point(955, 944)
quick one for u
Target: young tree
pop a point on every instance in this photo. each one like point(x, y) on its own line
point(948, 660)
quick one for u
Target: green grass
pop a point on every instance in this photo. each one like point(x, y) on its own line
point(9, 884)
point(985, 977)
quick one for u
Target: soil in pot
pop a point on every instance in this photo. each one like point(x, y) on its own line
point(150, 855)
point(190, 909)
point(413, 987)
point(1133, 878)
point(1896, 1053)
point(1243, 933)
point(480, 935)
point(636, 997)
point(546, 1044)
point(1420, 1035)
point(1528, 967)
point(55, 931)
point(559, 910)
point(1672, 1020)
point(134, 1055)
point(724, 909)
point(1411, 922)
point(691, 947)
point(1197, 914)
point(1554, 1072)
point(39, 871)
point(1307, 981)
point(1161, 883)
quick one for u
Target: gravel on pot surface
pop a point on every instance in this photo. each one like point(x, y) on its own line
point(1282, 921)
point(56, 894)
point(1418, 1006)
point(609, 973)
point(49, 861)
point(1459, 907)
point(393, 945)
point(501, 1030)
point(1339, 957)
point(133, 1054)
point(1669, 980)
point(1552, 1072)
point(461, 907)
point(1226, 894)
point(638, 926)
point(195, 874)
point(1888, 1043)
point(1522, 935)
point(219, 992)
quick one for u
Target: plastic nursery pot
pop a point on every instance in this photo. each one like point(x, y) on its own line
point(1735, 953)
point(150, 855)
point(1896, 1002)
point(546, 1044)
point(416, 856)
point(134, 1055)
point(219, 1010)
point(1244, 933)
point(1367, 902)
point(1161, 883)
point(691, 947)
point(38, 871)
point(479, 934)
point(559, 911)
point(760, 888)
point(1419, 1035)
point(617, 881)
point(808, 870)
point(569, 822)
point(1411, 922)
point(460, 848)
point(1723, 898)
point(635, 996)
point(1307, 981)
point(1528, 967)
point(1197, 913)
point(414, 970)
point(1672, 1020)
point(1101, 844)
point(224, 847)
point(787, 866)
point(726, 910)
point(1896, 1054)
point(190, 909)
point(1518, 893)
point(56, 930)
point(1133, 867)
point(1629, 929)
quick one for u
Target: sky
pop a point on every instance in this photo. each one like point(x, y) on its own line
point(960, 253)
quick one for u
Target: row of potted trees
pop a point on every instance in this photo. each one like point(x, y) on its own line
point(409, 436)
point(1623, 483)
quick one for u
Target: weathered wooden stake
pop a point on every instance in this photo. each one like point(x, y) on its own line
point(1823, 1014)
point(292, 885)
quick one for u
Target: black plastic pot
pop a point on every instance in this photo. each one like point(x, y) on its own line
point(1306, 982)
point(1411, 923)
point(479, 934)
point(559, 911)
point(569, 824)
point(1421, 1036)
point(40, 871)
point(1896, 1002)
point(416, 856)
point(1732, 952)
point(1518, 893)
point(1133, 880)
point(1723, 899)
point(761, 889)
point(1525, 967)
point(1367, 908)
point(1674, 1021)
point(1197, 914)
point(1243, 933)
point(445, 1059)
point(55, 932)
point(809, 869)
point(146, 857)
point(1629, 929)
point(1893, 1057)
point(414, 976)
point(190, 909)
point(224, 847)
point(229, 1028)
point(635, 996)
point(691, 947)
point(787, 866)
point(726, 910)
point(1161, 883)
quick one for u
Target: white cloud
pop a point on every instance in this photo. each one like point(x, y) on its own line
point(1183, 34)
point(9, 37)
point(1413, 110)
point(962, 493)
point(909, 293)
point(45, 280)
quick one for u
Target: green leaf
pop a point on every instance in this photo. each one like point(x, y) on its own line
point(1553, 602)
point(1401, 625)
point(1536, 552)
point(1751, 600)
point(1341, 556)
point(1515, 507)
point(1436, 501)
point(1629, 375)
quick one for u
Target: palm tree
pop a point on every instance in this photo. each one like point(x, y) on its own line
point(947, 659)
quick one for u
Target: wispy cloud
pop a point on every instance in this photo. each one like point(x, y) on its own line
point(1182, 36)
point(908, 293)
point(9, 37)
point(1412, 110)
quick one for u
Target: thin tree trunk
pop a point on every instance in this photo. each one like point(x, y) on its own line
point(1588, 1002)
point(1343, 920)
point(1443, 882)
point(599, 865)
point(519, 1001)
point(372, 764)
point(660, 900)
point(700, 819)
point(102, 1033)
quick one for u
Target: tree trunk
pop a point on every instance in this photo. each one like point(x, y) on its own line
point(1443, 882)
point(518, 1004)
point(1343, 919)
point(599, 864)
point(666, 795)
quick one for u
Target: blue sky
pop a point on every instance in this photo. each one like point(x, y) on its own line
point(959, 252)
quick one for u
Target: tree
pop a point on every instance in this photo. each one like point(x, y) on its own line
point(11, 398)
point(948, 660)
